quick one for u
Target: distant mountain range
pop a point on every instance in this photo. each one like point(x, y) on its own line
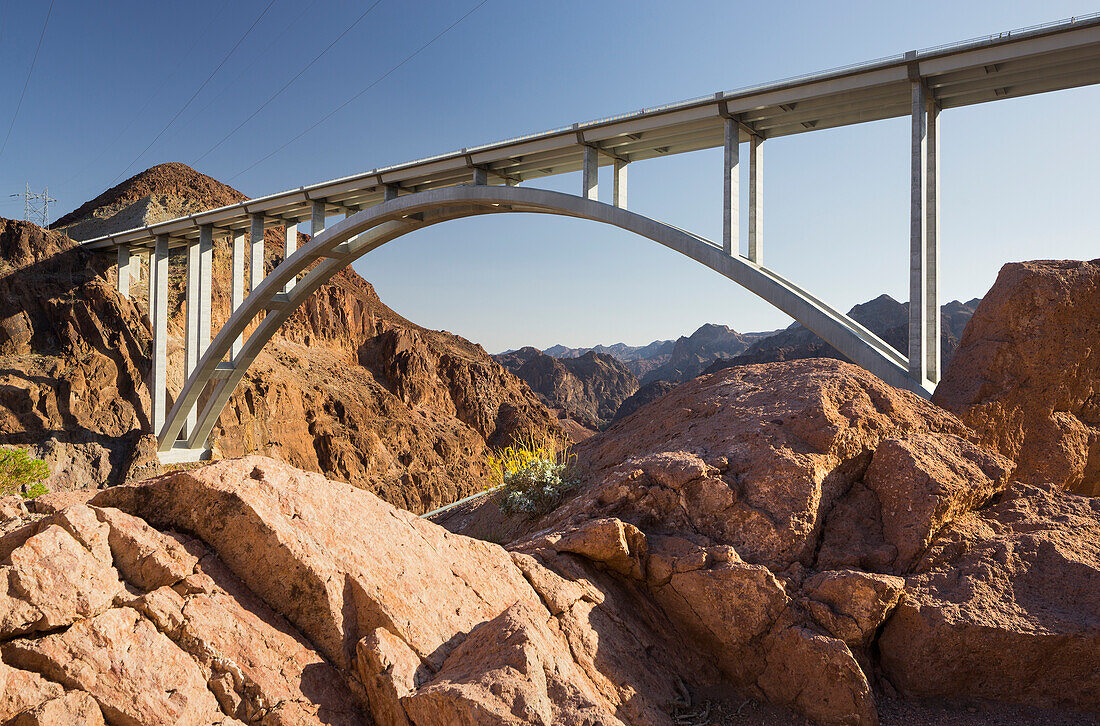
point(598, 385)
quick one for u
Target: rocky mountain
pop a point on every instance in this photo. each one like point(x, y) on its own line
point(619, 351)
point(348, 387)
point(1027, 372)
point(588, 388)
point(884, 316)
point(647, 393)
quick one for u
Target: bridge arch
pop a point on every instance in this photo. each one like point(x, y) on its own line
point(344, 242)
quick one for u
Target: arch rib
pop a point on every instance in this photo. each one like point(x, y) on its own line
point(357, 235)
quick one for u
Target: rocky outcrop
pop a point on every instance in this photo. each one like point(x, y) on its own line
point(646, 394)
point(250, 592)
point(588, 388)
point(1005, 606)
point(348, 387)
point(786, 516)
point(883, 316)
point(1027, 374)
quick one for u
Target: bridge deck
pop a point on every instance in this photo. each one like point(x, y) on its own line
point(1044, 58)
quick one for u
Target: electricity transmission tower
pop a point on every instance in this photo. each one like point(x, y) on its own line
point(36, 206)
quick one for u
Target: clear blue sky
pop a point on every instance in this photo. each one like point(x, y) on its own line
point(1019, 177)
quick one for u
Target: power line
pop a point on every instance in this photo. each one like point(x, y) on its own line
point(184, 58)
point(28, 81)
point(287, 84)
point(256, 59)
point(369, 86)
point(196, 93)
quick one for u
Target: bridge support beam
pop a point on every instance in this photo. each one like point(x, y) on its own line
point(389, 191)
point(618, 190)
point(256, 252)
point(590, 174)
point(316, 218)
point(236, 290)
point(290, 245)
point(481, 177)
point(924, 308)
point(191, 323)
point(756, 200)
point(124, 270)
point(731, 174)
point(206, 286)
point(158, 318)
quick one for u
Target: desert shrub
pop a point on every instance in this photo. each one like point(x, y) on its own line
point(21, 473)
point(535, 473)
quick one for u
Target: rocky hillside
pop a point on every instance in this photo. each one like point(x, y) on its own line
point(766, 542)
point(829, 542)
point(884, 316)
point(588, 388)
point(348, 388)
point(1027, 373)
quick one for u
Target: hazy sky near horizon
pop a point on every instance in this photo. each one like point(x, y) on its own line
point(1018, 178)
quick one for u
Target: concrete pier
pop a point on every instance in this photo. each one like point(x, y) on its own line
point(590, 174)
point(618, 191)
point(731, 174)
point(924, 307)
point(158, 316)
point(389, 191)
point(932, 243)
point(256, 252)
point(756, 200)
point(290, 246)
point(124, 270)
point(206, 286)
point(480, 176)
point(316, 218)
point(236, 291)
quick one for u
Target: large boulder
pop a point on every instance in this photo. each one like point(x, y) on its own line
point(756, 457)
point(247, 591)
point(1027, 373)
point(1006, 606)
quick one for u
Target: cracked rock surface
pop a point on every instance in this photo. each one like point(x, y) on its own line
point(825, 540)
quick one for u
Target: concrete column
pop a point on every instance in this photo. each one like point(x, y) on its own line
point(236, 286)
point(756, 199)
point(291, 244)
point(206, 285)
point(932, 243)
point(158, 317)
point(316, 219)
point(618, 191)
point(731, 175)
point(124, 270)
point(256, 252)
point(191, 327)
point(481, 178)
point(389, 191)
point(918, 233)
point(146, 254)
point(590, 174)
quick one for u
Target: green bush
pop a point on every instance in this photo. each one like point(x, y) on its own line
point(21, 473)
point(536, 488)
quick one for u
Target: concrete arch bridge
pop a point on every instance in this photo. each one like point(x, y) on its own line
point(383, 205)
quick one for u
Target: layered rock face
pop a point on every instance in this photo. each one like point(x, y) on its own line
point(588, 388)
point(823, 537)
point(348, 387)
point(1027, 374)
